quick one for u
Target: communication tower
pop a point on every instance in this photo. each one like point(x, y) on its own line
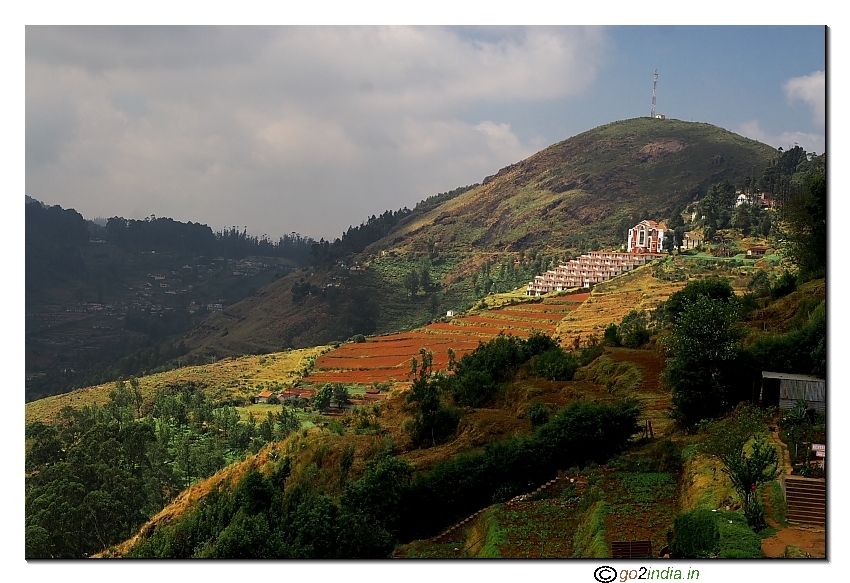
point(654, 87)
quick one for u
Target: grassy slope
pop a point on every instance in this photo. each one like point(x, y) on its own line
point(231, 378)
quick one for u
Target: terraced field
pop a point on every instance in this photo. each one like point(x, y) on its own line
point(388, 358)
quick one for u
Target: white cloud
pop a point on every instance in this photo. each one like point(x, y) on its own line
point(785, 140)
point(811, 90)
point(281, 129)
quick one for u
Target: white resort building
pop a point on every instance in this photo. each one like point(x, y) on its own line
point(598, 266)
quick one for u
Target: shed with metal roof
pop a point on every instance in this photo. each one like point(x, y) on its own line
point(783, 390)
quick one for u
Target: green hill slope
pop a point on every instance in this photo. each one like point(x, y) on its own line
point(576, 195)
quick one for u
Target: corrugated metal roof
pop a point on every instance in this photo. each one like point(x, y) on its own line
point(809, 390)
point(793, 377)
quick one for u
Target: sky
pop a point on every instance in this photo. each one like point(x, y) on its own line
point(313, 129)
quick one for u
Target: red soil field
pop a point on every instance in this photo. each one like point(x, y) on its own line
point(387, 358)
point(365, 362)
point(486, 330)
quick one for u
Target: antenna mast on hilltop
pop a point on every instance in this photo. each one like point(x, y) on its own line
point(654, 87)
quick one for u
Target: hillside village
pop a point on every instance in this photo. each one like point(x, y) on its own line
point(645, 242)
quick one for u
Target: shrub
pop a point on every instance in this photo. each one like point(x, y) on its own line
point(786, 284)
point(590, 354)
point(633, 331)
point(612, 335)
point(737, 539)
point(538, 414)
point(554, 365)
point(696, 535)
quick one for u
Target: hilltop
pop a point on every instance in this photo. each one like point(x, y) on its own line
point(580, 194)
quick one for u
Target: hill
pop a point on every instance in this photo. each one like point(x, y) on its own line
point(105, 301)
point(577, 195)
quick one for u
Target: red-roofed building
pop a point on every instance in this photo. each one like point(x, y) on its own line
point(646, 237)
point(759, 251)
point(263, 397)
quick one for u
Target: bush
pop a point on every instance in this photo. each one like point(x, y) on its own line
point(590, 354)
point(696, 535)
point(786, 284)
point(633, 331)
point(612, 335)
point(357, 338)
point(737, 540)
point(554, 365)
point(538, 414)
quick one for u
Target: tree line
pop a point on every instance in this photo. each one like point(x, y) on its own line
point(97, 473)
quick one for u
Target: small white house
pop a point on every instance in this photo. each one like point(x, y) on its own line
point(451, 314)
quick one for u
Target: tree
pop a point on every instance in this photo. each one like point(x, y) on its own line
point(633, 329)
point(714, 288)
point(612, 335)
point(340, 395)
point(803, 228)
point(411, 282)
point(760, 283)
point(322, 399)
point(425, 278)
point(704, 370)
point(748, 458)
point(741, 219)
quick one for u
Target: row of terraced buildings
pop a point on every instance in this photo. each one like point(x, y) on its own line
point(588, 270)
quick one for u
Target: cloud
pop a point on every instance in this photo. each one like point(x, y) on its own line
point(283, 128)
point(785, 140)
point(811, 90)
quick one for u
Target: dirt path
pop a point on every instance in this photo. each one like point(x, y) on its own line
point(811, 538)
point(785, 457)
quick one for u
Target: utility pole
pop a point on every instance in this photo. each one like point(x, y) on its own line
point(654, 87)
